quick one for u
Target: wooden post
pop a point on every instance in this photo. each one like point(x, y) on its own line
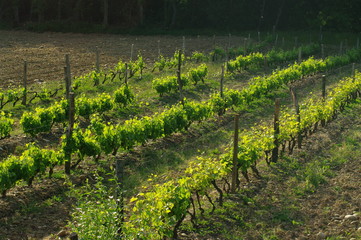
point(297, 109)
point(299, 55)
point(158, 48)
point(179, 78)
point(323, 87)
point(69, 131)
point(126, 74)
point(222, 79)
point(259, 36)
point(323, 122)
point(321, 35)
point(276, 41)
point(25, 81)
point(353, 74)
point(296, 42)
point(184, 45)
point(97, 61)
point(67, 88)
point(68, 75)
point(235, 156)
point(276, 127)
point(119, 170)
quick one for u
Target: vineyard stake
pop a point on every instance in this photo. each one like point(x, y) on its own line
point(259, 36)
point(97, 64)
point(296, 42)
point(297, 109)
point(158, 48)
point(25, 80)
point(323, 87)
point(66, 83)
point(276, 127)
point(353, 71)
point(126, 74)
point(321, 35)
point(68, 75)
point(276, 41)
point(323, 122)
point(184, 45)
point(222, 79)
point(179, 79)
point(69, 131)
point(299, 55)
point(235, 156)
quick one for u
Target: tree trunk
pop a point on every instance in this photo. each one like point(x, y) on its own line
point(77, 10)
point(174, 13)
point(165, 13)
point(261, 19)
point(59, 9)
point(16, 15)
point(280, 10)
point(106, 13)
point(15, 7)
point(141, 12)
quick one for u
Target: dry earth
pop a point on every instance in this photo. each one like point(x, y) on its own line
point(45, 52)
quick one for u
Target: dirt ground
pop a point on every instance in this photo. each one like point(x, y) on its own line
point(45, 52)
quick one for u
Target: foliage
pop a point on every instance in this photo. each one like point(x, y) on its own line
point(243, 62)
point(97, 213)
point(156, 213)
point(6, 125)
point(32, 161)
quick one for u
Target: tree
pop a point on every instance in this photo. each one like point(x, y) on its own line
point(105, 12)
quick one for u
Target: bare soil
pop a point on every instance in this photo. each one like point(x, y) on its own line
point(45, 52)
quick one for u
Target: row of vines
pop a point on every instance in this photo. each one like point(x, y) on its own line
point(158, 213)
point(101, 137)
